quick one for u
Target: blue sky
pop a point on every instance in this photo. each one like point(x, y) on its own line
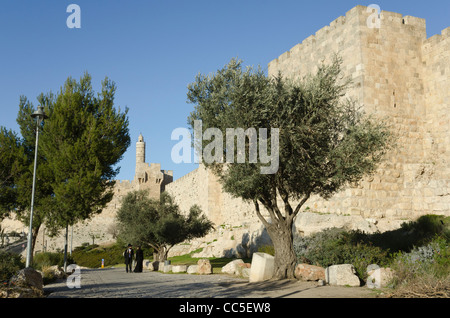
point(153, 49)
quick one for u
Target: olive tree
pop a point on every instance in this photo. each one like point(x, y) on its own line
point(321, 140)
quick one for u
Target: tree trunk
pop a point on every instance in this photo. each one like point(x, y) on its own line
point(35, 233)
point(285, 258)
point(162, 253)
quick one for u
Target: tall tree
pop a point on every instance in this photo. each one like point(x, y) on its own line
point(12, 163)
point(80, 143)
point(158, 223)
point(323, 142)
point(83, 139)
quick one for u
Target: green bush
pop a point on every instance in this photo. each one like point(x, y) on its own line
point(10, 264)
point(91, 255)
point(424, 271)
point(431, 258)
point(336, 246)
point(46, 259)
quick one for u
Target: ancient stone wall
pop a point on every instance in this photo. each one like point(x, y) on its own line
point(398, 75)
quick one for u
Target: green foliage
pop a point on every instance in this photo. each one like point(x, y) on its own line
point(325, 141)
point(158, 223)
point(12, 162)
point(416, 247)
point(83, 139)
point(47, 259)
point(91, 255)
point(336, 246)
point(80, 144)
point(10, 264)
point(424, 265)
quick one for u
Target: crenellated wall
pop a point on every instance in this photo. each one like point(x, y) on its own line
point(401, 76)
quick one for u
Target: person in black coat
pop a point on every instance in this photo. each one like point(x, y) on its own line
point(139, 260)
point(128, 255)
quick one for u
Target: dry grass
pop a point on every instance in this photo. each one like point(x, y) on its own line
point(424, 286)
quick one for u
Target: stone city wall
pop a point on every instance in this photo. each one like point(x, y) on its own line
point(400, 76)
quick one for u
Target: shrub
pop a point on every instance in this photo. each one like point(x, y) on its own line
point(304, 247)
point(337, 246)
point(10, 264)
point(47, 259)
point(89, 256)
point(424, 271)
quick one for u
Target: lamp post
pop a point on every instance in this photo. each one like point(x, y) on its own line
point(40, 116)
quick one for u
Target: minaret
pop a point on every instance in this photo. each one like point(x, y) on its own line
point(140, 150)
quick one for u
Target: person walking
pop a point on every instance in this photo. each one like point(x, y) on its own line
point(139, 260)
point(128, 254)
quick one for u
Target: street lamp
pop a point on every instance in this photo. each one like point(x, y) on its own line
point(40, 116)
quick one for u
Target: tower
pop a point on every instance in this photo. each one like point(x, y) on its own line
point(140, 150)
point(149, 176)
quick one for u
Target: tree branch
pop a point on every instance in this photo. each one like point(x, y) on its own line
point(258, 213)
point(297, 208)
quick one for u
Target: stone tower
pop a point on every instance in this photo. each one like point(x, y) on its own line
point(140, 150)
point(149, 176)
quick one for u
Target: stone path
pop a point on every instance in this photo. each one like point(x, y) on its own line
point(116, 283)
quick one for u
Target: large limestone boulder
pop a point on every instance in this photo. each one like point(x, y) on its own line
point(309, 272)
point(262, 267)
point(204, 267)
point(28, 277)
point(231, 267)
point(28, 283)
point(341, 275)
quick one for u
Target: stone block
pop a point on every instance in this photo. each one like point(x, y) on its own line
point(179, 268)
point(153, 266)
point(167, 268)
point(146, 263)
point(262, 267)
point(204, 267)
point(192, 269)
point(309, 272)
point(342, 275)
point(379, 277)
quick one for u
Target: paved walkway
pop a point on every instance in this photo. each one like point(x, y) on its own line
point(116, 283)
